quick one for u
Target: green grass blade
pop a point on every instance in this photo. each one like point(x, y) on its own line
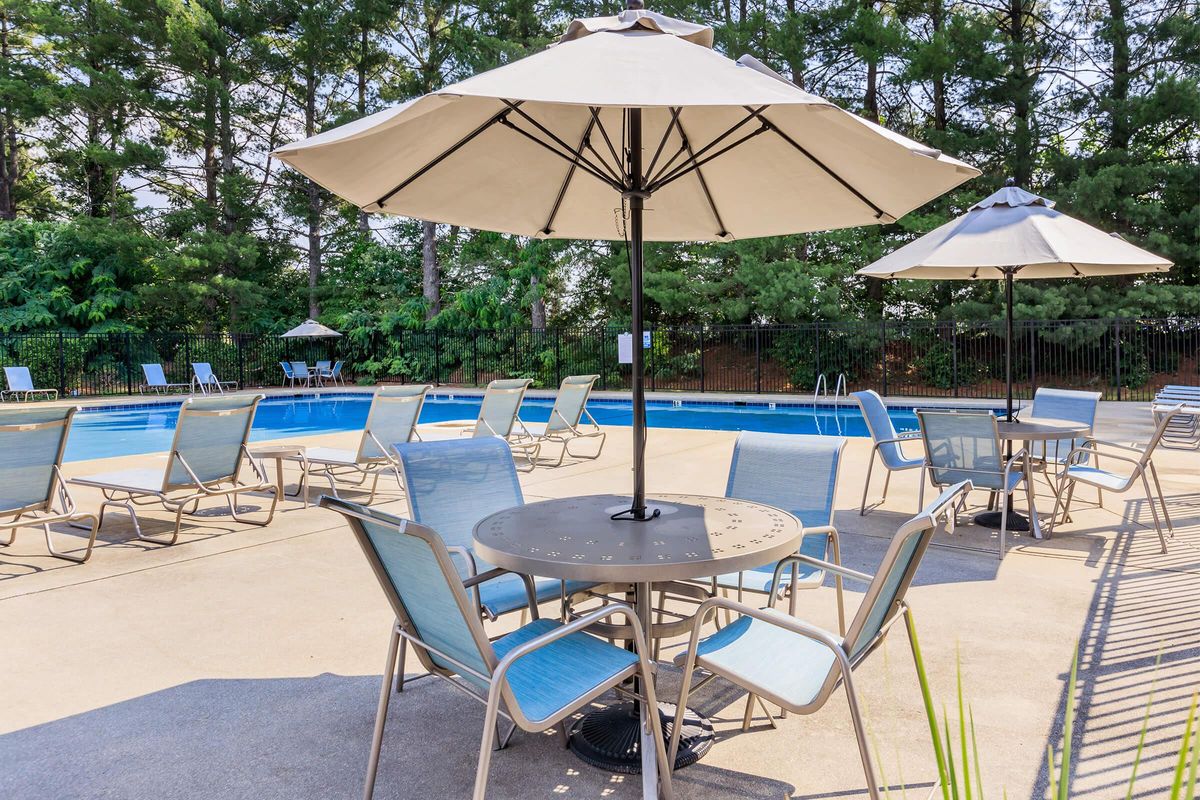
point(930, 714)
point(1181, 764)
point(962, 729)
point(1137, 756)
point(975, 754)
point(1050, 770)
point(1064, 774)
point(1195, 768)
point(950, 757)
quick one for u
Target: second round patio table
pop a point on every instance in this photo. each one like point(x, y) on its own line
point(692, 536)
point(1027, 431)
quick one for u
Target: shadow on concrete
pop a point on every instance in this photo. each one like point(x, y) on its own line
point(1139, 649)
point(291, 738)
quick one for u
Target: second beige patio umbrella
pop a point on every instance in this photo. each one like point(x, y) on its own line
point(1009, 235)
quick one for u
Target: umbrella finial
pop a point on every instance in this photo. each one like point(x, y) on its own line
point(1010, 181)
point(634, 5)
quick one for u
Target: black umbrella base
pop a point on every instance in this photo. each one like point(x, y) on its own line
point(991, 519)
point(610, 737)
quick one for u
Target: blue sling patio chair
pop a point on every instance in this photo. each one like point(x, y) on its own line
point(1066, 404)
point(452, 484)
point(20, 385)
point(966, 445)
point(798, 665)
point(301, 372)
point(1135, 463)
point(392, 418)
point(289, 374)
point(205, 461)
point(156, 380)
point(887, 444)
point(204, 379)
point(798, 474)
point(535, 677)
point(32, 441)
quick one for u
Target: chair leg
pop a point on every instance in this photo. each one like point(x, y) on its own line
point(77, 559)
point(862, 509)
point(400, 662)
point(860, 733)
point(1003, 523)
point(921, 492)
point(1067, 503)
point(389, 667)
point(1162, 540)
point(1162, 500)
point(485, 746)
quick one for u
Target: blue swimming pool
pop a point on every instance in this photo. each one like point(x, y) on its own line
point(115, 431)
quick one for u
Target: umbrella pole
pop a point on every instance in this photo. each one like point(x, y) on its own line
point(1008, 340)
point(637, 200)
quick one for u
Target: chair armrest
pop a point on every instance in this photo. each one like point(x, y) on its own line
point(787, 623)
point(1135, 461)
point(482, 577)
point(1020, 455)
point(816, 562)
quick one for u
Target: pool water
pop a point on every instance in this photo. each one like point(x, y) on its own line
point(148, 429)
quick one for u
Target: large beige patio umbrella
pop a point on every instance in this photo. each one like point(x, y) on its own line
point(1014, 234)
point(630, 127)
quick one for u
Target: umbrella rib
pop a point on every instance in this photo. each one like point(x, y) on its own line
point(694, 163)
point(492, 120)
point(595, 111)
point(585, 163)
point(721, 232)
point(562, 190)
point(580, 162)
point(879, 212)
point(664, 177)
point(675, 112)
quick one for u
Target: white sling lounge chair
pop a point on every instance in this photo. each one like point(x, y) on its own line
point(205, 461)
point(156, 380)
point(569, 420)
point(392, 419)
point(499, 415)
point(32, 441)
point(20, 385)
point(204, 379)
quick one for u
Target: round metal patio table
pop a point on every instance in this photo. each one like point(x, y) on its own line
point(693, 536)
point(1027, 431)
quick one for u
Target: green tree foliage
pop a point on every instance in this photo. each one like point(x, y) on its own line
point(135, 138)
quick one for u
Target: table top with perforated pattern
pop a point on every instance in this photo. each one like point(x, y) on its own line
point(573, 538)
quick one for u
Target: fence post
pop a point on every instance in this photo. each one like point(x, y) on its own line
point(128, 363)
point(637, 342)
point(241, 353)
point(1032, 358)
point(702, 358)
point(883, 352)
point(62, 365)
point(557, 359)
point(437, 358)
point(475, 357)
point(817, 338)
point(1117, 337)
point(757, 360)
point(954, 355)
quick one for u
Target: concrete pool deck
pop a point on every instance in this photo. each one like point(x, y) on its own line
point(244, 662)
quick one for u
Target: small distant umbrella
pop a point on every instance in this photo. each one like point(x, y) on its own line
point(310, 329)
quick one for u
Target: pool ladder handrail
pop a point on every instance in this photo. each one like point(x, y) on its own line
point(840, 389)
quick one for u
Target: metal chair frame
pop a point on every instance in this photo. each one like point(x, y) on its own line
point(846, 659)
point(499, 701)
point(43, 514)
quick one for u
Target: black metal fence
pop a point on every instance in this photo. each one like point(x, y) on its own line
point(1125, 359)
